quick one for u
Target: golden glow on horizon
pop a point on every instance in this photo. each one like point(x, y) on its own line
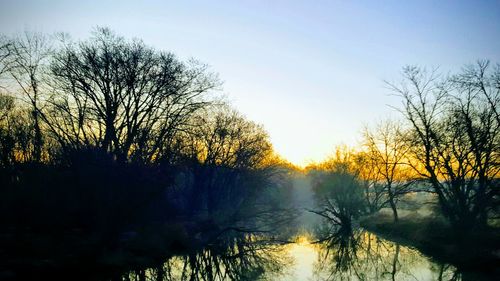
point(302, 155)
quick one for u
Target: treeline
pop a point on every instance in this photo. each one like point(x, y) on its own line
point(447, 143)
point(105, 135)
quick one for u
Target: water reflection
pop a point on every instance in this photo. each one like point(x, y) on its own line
point(363, 256)
point(360, 255)
point(346, 254)
point(236, 257)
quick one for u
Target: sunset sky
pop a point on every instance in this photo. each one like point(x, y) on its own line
point(311, 72)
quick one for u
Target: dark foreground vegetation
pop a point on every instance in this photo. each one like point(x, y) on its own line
point(113, 153)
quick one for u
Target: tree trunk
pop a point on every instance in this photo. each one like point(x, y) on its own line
point(38, 142)
point(394, 210)
point(392, 203)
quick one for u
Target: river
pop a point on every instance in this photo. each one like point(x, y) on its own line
point(356, 255)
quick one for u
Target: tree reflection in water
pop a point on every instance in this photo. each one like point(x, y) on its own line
point(234, 257)
point(355, 254)
point(343, 253)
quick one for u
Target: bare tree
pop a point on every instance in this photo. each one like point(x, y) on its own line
point(123, 96)
point(475, 106)
point(5, 57)
point(27, 56)
point(338, 189)
point(16, 141)
point(374, 190)
point(481, 80)
point(454, 140)
point(7, 142)
point(229, 154)
point(224, 137)
point(387, 154)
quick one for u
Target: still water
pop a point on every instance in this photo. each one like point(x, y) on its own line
point(356, 255)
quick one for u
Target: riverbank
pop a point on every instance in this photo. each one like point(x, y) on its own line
point(433, 236)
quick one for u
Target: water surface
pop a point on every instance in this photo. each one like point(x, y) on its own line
point(356, 255)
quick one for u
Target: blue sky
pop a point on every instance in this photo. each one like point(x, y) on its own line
point(310, 71)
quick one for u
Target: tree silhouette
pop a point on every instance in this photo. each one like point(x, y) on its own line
point(123, 96)
point(454, 139)
point(386, 152)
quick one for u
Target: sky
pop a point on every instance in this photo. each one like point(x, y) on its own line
point(311, 72)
